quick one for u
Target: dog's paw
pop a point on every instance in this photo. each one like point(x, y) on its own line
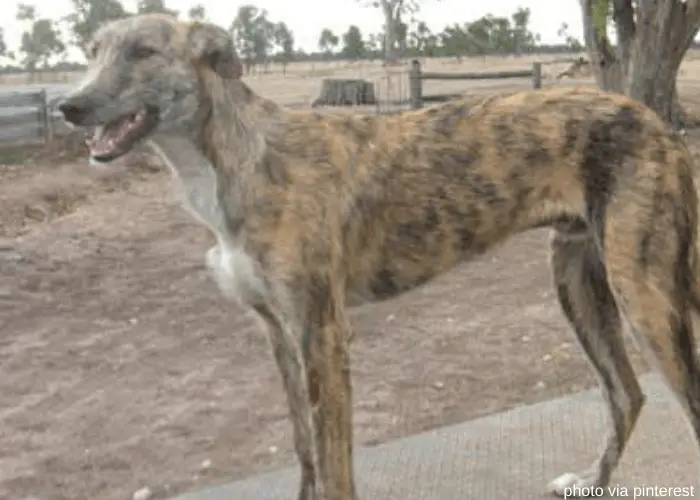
point(572, 485)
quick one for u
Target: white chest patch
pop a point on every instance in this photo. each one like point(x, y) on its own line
point(234, 270)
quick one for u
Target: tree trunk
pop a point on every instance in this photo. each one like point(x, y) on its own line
point(649, 50)
point(389, 8)
point(663, 35)
point(607, 68)
point(655, 84)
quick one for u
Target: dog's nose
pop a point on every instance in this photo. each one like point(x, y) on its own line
point(74, 110)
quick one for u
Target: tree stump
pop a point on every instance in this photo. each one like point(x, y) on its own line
point(345, 92)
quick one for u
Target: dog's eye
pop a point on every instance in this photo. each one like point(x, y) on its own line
point(141, 52)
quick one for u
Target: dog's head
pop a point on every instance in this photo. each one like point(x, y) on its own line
point(144, 77)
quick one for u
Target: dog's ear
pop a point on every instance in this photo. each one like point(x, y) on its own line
point(211, 45)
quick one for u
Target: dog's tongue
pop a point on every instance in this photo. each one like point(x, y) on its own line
point(109, 139)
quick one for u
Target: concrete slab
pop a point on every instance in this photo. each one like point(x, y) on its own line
point(512, 455)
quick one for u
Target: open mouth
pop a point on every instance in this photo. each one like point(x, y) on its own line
point(115, 139)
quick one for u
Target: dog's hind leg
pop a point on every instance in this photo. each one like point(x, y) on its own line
point(655, 287)
point(589, 306)
point(326, 354)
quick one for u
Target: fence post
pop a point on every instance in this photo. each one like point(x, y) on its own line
point(415, 85)
point(44, 116)
point(537, 75)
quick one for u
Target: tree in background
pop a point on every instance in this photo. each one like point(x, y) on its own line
point(89, 15)
point(197, 13)
point(454, 42)
point(40, 41)
point(652, 38)
point(571, 42)
point(523, 39)
point(328, 42)
point(3, 45)
point(4, 49)
point(244, 33)
point(353, 43)
point(25, 12)
point(259, 40)
point(253, 34)
point(423, 41)
point(486, 35)
point(284, 42)
point(374, 46)
point(401, 34)
point(154, 7)
point(393, 10)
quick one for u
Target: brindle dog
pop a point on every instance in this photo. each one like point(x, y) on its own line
point(313, 213)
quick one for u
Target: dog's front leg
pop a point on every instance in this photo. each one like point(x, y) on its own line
point(286, 346)
point(309, 335)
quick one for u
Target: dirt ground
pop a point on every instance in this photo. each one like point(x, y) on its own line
point(121, 367)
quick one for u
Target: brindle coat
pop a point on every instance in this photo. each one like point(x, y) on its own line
point(314, 212)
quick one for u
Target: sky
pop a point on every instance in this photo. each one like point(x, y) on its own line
point(306, 18)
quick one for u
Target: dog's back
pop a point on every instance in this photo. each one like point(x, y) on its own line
point(419, 192)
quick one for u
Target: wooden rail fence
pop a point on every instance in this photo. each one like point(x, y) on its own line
point(417, 76)
point(24, 118)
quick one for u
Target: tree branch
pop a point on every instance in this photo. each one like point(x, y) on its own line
point(607, 67)
point(595, 29)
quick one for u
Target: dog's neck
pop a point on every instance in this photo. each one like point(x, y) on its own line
point(233, 124)
point(233, 133)
point(217, 164)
